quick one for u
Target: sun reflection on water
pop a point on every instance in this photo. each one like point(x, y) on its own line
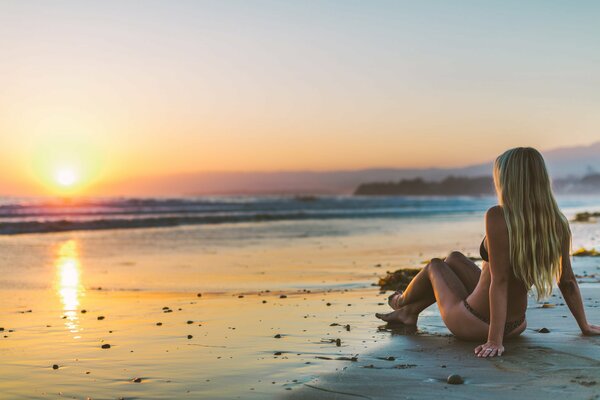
point(68, 282)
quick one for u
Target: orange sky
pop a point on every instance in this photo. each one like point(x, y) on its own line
point(113, 92)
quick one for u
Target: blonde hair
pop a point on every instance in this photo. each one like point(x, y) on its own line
point(536, 227)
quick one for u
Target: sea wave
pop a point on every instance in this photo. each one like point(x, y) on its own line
point(18, 216)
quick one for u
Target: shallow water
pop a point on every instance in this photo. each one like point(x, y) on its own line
point(128, 276)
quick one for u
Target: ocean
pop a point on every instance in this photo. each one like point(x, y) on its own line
point(41, 215)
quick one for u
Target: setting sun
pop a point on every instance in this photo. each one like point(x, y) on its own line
point(66, 177)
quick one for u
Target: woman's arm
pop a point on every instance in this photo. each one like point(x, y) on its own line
point(570, 291)
point(498, 250)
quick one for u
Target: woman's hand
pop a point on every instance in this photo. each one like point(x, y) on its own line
point(591, 330)
point(489, 349)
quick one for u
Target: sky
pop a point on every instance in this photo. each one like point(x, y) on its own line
point(95, 92)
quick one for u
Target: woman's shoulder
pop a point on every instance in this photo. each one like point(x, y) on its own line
point(494, 217)
point(495, 212)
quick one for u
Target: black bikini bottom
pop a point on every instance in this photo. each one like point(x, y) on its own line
point(508, 326)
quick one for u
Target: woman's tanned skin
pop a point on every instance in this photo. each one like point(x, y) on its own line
point(493, 292)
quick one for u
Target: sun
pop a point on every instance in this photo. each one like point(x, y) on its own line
point(66, 177)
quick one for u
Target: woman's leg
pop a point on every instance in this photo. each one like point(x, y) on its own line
point(438, 278)
point(420, 288)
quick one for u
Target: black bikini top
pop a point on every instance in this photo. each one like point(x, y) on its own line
point(483, 252)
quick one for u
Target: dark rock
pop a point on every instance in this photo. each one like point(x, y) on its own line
point(55, 366)
point(159, 324)
point(199, 295)
point(455, 379)
point(543, 330)
point(278, 336)
point(277, 353)
point(338, 342)
point(137, 380)
point(106, 346)
point(83, 311)
point(190, 322)
point(189, 336)
point(100, 318)
point(283, 296)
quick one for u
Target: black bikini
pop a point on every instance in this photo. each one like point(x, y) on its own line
point(483, 252)
point(508, 326)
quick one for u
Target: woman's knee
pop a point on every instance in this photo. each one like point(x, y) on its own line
point(435, 263)
point(454, 257)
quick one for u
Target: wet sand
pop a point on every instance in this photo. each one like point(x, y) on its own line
point(279, 314)
point(558, 364)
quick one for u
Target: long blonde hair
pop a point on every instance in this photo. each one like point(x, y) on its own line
point(536, 227)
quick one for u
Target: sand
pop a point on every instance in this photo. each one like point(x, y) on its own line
point(559, 364)
point(241, 338)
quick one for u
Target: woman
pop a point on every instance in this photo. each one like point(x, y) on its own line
point(527, 244)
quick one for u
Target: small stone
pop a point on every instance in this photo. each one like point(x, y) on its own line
point(190, 322)
point(543, 330)
point(278, 336)
point(1, 329)
point(106, 346)
point(283, 296)
point(83, 311)
point(548, 305)
point(338, 342)
point(328, 304)
point(137, 380)
point(189, 336)
point(100, 317)
point(264, 301)
point(455, 379)
point(159, 324)
point(277, 353)
point(55, 366)
point(199, 295)
point(241, 296)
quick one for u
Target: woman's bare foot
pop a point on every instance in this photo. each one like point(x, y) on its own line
point(400, 316)
point(395, 299)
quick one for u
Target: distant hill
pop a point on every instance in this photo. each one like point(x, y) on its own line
point(449, 186)
point(452, 186)
point(562, 163)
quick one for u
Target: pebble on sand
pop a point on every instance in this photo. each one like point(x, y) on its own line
point(190, 322)
point(278, 336)
point(106, 346)
point(137, 380)
point(283, 296)
point(189, 336)
point(55, 366)
point(100, 317)
point(83, 311)
point(159, 324)
point(543, 330)
point(199, 295)
point(455, 379)
point(338, 342)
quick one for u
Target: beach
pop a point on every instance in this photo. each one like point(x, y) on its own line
point(267, 309)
